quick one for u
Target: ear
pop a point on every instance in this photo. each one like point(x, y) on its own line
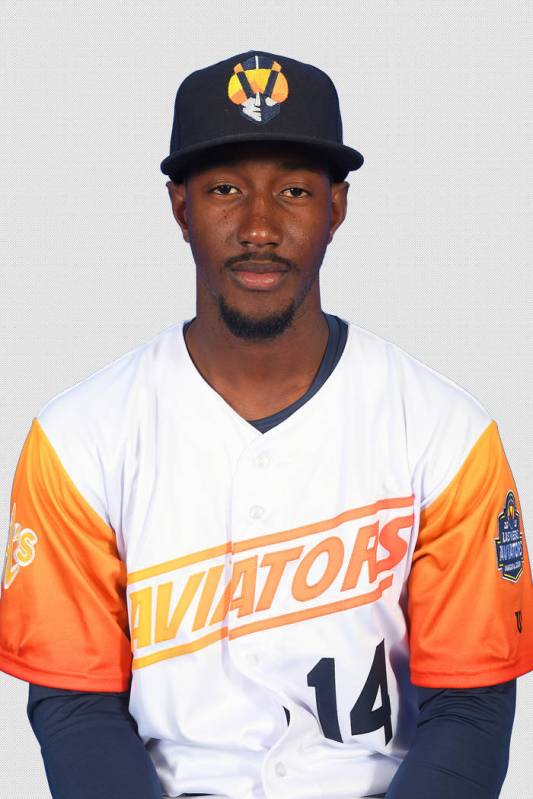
point(339, 204)
point(178, 198)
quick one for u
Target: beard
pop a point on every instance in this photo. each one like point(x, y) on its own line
point(249, 328)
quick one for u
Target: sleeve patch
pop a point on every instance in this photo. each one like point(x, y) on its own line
point(20, 550)
point(509, 544)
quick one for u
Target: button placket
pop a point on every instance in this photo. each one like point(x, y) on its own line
point(252, 660)
point(280, 769)
point(256, 511)
point(262, 460)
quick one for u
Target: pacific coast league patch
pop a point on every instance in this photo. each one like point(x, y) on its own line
point(509, 544)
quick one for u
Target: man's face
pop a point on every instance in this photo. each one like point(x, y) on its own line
point(259, 205)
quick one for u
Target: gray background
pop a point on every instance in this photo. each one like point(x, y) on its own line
point(435, 253)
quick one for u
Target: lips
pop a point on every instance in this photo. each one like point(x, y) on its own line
point(259, 277)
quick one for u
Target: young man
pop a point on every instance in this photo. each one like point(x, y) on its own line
point(311, 542)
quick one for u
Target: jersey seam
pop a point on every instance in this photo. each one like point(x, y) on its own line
point(437, 492)
point(74, 484)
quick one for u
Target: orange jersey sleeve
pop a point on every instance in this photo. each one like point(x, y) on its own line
point(470, 594)
point(63, 611)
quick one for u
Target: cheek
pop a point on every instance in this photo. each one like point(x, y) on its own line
point(210, 231)
point(308, 238)
point(209, 247)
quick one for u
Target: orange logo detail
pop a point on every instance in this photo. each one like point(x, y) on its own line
point(20, 549)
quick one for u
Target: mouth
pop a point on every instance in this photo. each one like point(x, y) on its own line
point(262, 276)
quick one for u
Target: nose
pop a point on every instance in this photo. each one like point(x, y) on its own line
point(259, 224)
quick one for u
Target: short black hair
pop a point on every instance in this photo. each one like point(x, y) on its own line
point(208, 157)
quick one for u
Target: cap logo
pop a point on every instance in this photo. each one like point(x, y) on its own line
point(258, 86)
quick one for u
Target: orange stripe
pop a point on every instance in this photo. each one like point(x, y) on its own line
point(179, 563)
point(270, 538)
point(264, 624)
point(182, 649)
point(311, 613)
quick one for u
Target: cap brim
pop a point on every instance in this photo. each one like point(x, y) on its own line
point(345, 158)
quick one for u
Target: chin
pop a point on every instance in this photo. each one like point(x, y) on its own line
point(259, 326)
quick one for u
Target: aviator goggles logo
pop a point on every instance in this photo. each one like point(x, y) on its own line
point(259, 87)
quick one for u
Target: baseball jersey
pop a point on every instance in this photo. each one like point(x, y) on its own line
point(272, 596)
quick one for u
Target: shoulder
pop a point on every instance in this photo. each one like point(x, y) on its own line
point(87, 424)
point(441, 419)
point(99, 401)
point(420, 385)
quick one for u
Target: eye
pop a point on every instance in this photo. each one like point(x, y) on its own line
point(221, 186)
point(296, 188)
point(224, 189)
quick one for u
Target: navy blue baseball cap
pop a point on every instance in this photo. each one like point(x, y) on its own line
point(258, 96)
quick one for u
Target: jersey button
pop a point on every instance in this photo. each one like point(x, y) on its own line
point(256, 511)
point(280, 769)
point(262, 460)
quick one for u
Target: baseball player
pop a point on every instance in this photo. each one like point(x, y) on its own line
point(266, 554)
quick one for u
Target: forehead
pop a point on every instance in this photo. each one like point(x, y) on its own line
point(284, 155)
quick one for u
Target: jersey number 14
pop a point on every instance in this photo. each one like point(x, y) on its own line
point(363, 716)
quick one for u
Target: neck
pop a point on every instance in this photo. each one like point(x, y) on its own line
point(285, 364)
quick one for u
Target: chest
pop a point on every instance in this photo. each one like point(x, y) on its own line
point(196, 488)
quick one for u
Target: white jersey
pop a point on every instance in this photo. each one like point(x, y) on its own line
point(273, 597)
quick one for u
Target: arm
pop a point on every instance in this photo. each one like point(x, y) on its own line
point(90, 745)
point(467, 589)
point(64, 624)
point(461, 746)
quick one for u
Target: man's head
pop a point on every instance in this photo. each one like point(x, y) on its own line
point(258, 167)
point(261, 205)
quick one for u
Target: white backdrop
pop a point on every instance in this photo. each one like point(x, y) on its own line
point(435, 253)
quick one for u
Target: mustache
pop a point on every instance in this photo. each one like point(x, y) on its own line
point(270, 257)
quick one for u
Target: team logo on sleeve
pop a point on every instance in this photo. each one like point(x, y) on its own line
point(258, 86)
point(20, 549)
point(509, 545)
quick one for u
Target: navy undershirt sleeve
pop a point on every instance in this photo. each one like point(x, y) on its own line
point(90, 745)
point(461, 745)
